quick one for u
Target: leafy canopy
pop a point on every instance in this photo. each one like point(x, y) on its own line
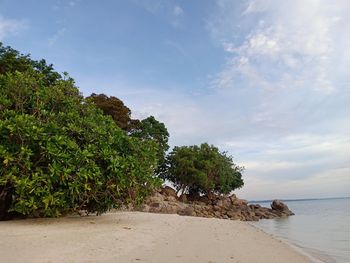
point(148, 129)
point(115, 108)
point(153, 130)
point(11, 61)
point(59, 153)
point(202, 170)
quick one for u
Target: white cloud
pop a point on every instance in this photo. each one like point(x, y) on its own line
point(294, 44)
point(282, 108)
point(59, 34)
point(276, 159)
point(178, 11)
point(297, 166)
point(9, 27)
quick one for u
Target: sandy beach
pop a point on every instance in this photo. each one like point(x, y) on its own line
point(140, 237)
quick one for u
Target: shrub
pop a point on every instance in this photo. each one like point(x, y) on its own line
point(59, 153)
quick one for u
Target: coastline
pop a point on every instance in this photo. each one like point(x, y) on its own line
point(141, 237)
point(299, 249)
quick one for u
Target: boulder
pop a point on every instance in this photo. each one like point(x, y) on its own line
point(187, 211)
point(227, 207)
point(183, 198)
point(155, 198)
point(168, 191)
point(240, 202)
point(170, 198)
point(279, 206)
point(254, 206)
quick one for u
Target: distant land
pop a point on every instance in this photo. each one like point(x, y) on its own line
point(300, 199)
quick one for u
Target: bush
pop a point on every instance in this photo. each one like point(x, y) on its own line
point(59, 153)
point(202, 170)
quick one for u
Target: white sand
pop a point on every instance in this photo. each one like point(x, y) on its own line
point(140, 237)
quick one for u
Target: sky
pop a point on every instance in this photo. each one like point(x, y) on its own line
point(267, 81)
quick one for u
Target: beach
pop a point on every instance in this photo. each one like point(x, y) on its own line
point(140, 237)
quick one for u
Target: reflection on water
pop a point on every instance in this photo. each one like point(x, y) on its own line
point(321, 227)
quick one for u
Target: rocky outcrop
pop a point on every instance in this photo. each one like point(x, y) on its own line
point(277, 205)
point(168, 191)
point(225, 207)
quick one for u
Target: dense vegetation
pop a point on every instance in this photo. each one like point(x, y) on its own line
point(61, 152)
point(150, 129)
point(115, 108)
point(202, 170)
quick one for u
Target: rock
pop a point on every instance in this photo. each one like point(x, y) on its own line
point(217, 214)
point(216, 208)
point(170, 199)
point(171, 209)
point(183, 198)
point(155, 204)
point(254, 206)
point(223, 203)
point(240, 202)
point(279, 206)
point(203, 199)
point(187, 211)
point(232, 214)
point(165, 201)
point(144, 208)
point(155, 198)
point(168, 191)
point(232, 197)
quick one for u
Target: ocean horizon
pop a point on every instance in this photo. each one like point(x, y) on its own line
point(320, 227)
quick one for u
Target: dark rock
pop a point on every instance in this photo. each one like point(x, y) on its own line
point(279, 206)
point(225, 207)
point(216, 208)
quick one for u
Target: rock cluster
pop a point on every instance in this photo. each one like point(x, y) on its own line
point(166, 201)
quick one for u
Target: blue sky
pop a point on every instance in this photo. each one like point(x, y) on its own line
point(266, 80)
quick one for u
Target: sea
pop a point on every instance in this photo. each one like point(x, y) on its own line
point(320, 228)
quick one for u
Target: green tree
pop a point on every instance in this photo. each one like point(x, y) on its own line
point(115, 108)
point(202, 170)
point(152, 129)
point(11, 61)
point(59, 153)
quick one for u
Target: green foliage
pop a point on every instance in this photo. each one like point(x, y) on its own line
point(202, 170)
point(148, 129)
point(11, 61)
point(115, 108)
point(153, 130)
point(58, 153)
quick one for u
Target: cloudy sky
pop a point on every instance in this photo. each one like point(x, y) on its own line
point(268, 81)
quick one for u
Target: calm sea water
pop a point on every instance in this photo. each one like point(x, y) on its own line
point(320, 227)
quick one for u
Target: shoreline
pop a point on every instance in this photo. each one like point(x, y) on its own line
point(141, 237)
point(297, 248)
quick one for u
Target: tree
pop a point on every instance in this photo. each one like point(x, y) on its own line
point(115, 108)
point(11, 61)
point(59, 153)
point(152, 129)
point(202, 170)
